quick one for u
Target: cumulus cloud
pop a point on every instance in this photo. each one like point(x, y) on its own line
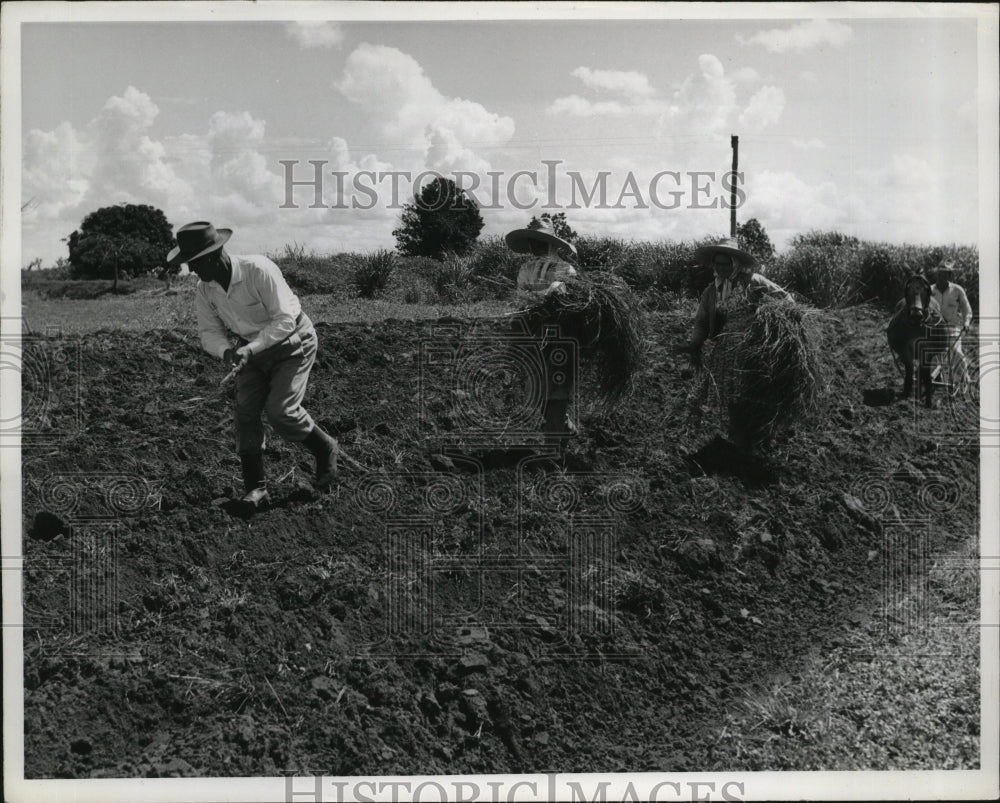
point(221, 173)
point(803, 36)
point(914, 199)
point(315, 33)
point(764, 108)
point(406, 107)
point(903, 201)
point(227, 172)
point(787, 205)
point(705, 101)
point(745, 75)
point(125, 159)
point(577, 106)
point(628, 83)
point(238, 166)
point(54, 172)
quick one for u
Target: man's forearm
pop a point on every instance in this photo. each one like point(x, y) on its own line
point(277, 331)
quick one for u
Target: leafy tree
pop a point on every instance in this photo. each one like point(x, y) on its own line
point(442, 219)
point(754, 240)
point(558, 222)
point(123, 240)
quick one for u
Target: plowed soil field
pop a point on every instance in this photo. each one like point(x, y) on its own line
point(459, 608)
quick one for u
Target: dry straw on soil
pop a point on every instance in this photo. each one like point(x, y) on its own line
point(764, 372)
point(602, 315)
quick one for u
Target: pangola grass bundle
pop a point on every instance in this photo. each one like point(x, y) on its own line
point(764, 371)
point(602, 316)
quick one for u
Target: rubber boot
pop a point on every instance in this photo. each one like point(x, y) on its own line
point(254, 484)
point(324, 449)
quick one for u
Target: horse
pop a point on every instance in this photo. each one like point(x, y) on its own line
point(916, 332)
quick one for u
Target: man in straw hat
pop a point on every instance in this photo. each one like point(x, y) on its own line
point(954, 308)
point(547, 273)
point(734, 277)
point(246, 297)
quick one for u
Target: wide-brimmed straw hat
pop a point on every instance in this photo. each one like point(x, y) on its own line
point(519, 239)
point(729, 246)
point(946, 266)
point(197, 239)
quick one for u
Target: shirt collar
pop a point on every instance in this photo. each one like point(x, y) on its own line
point(237, 275)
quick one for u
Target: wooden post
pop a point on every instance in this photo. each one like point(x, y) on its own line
point(735, 142)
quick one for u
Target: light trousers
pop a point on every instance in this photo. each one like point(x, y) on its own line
point(273, 383)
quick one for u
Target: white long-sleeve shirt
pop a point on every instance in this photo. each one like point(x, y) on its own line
point(953, 305)
point(259, 306)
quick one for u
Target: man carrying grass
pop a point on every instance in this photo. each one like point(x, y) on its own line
point(548, 273)
point(734, 280)
point(247, 298)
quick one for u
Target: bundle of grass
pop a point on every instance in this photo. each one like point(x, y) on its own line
point(765, 371)
point(602, 316)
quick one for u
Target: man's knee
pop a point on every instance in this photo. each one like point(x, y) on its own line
point(285, 418)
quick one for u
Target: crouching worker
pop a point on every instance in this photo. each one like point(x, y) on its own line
point(547, 273)
point(735, 283)
point(275, 348)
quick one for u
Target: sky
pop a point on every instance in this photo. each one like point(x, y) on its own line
point(865, 126)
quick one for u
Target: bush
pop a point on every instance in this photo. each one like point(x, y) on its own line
point(309, 273)
point(881, 274)
point(492, 262)
point(826, 276)
point(453, 279)
point(679, 270)
point(754, 240)
point(372, 272)
point(126, 240)
point(831, 269)
point(665, 267)
point(601, 254)
point(442, 219)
